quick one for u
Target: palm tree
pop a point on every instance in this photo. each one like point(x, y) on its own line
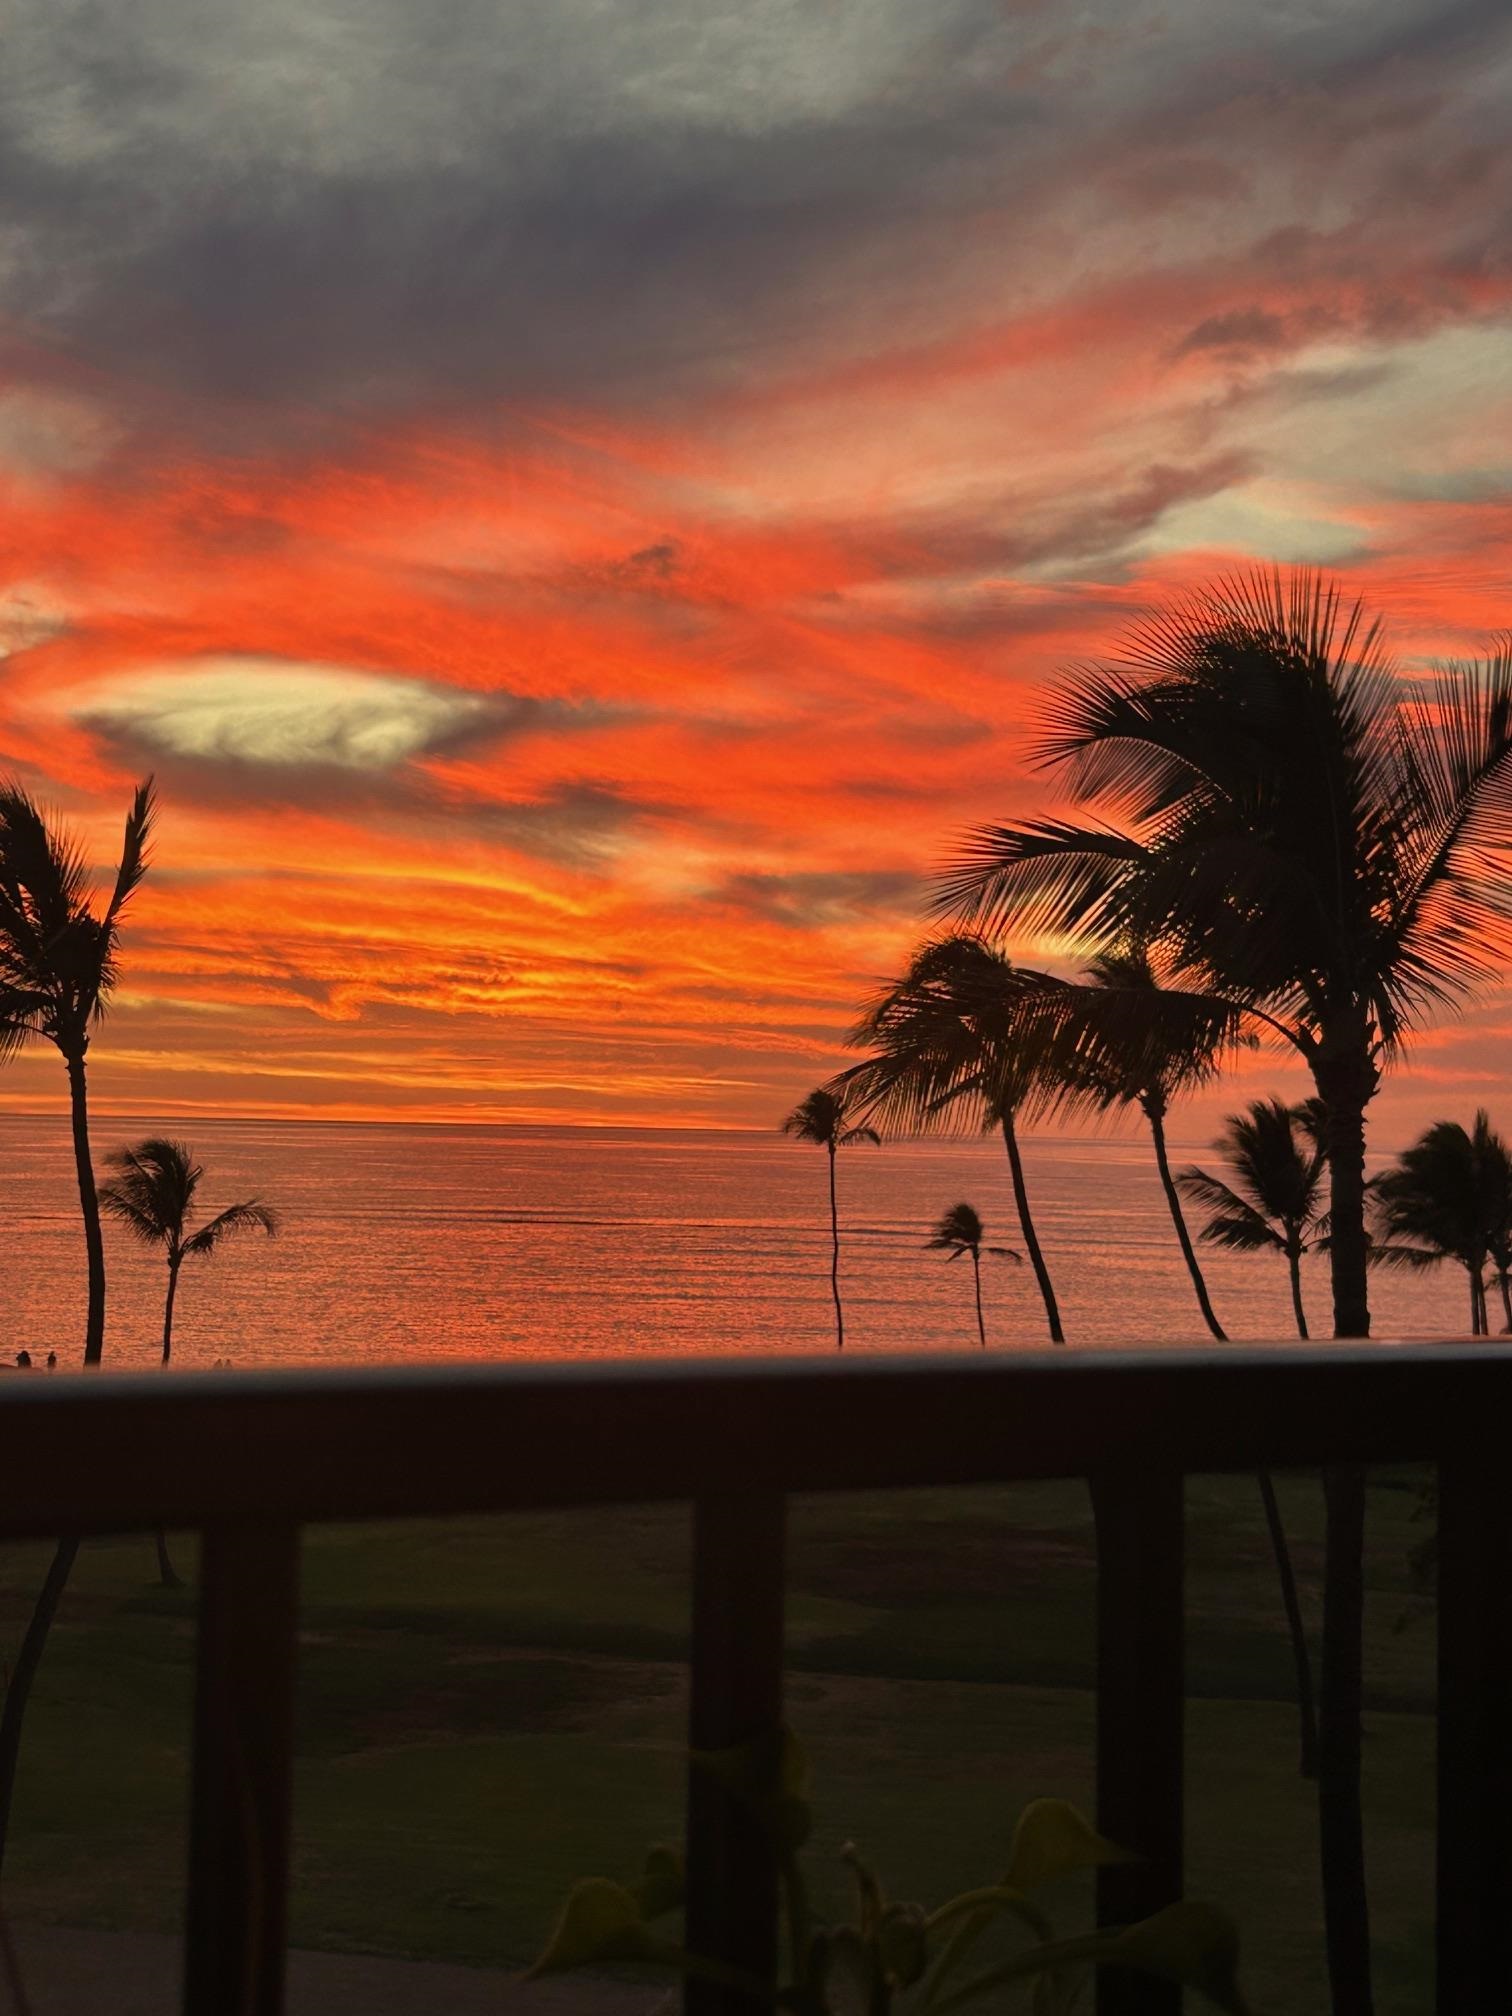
point(1275, 1202)
point(953, 1038)
point(152, 1193)
point(1322, 845)
point(1446, 1198)
point(823, 1119)
point(58, 967)
point(1149, 1074)
point(960, 1231)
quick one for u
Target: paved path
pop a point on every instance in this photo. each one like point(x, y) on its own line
point(91, 1973)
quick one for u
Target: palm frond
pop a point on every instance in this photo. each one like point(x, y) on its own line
point(955, 1041)
point(1233, 1222)
point(1122, 1038)
point(249, 1217)
point(862, 1137)
point(1451, 926)
point(1043, 877)
point(960, 1230)
point(1396, 1254)
point(135, 854)
point(42, 868)
point(824, 1116)
point(151, 1190)
point(816, 1118)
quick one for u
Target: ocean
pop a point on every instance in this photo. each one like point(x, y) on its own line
point(419, 1243)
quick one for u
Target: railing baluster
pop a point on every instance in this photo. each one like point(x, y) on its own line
point(1474, 1734)
point(1140, 1702)
point(240, 1802)
point(736, 1695)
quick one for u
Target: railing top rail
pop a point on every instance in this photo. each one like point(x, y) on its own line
point(110, 1452)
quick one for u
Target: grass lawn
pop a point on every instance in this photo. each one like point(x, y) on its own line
point(490, 1708)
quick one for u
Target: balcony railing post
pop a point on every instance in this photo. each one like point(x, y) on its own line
point(1140, 1701)
point(240, 1801)
point(736, 1695)
point(1474, 1733)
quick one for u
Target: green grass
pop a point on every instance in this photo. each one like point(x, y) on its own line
point(490, 1708)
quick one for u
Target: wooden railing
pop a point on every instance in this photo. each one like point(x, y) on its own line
point(248, 1459)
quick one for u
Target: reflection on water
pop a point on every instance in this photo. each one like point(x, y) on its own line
point(491, 1242)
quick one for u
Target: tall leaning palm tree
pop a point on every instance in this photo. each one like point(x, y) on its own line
point(824, 1119)
point(1274, 1202)
point(59, 953)
point(1446, 1198)
point(58, 967)
point(961, 1231)
point(1150, 1074)
point(1322, 844)
point(953, 1041)
point(152, 1192)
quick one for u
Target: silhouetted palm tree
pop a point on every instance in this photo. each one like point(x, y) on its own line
point(1325, 846)
point(960, 1231)
point(58, 967)
point(823, 1119)
point(1274, 1204)
point(1161, 1064)
point(152, 1192)
point(952, 1041)
point(1446, 1198)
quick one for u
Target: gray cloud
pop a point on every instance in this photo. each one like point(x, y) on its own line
point(818, 901)
point(1243, 329)
point(576, 825)
point(335, 208)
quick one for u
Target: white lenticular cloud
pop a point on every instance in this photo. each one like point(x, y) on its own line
point(261, 710)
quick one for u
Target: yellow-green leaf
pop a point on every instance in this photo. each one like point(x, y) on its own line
point(1053, 1839)
point(1195, 1944)
point(600, 1921)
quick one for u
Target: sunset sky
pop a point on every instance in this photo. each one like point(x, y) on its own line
point(575, 500)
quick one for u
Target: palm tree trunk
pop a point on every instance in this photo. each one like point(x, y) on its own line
point(1290, 1601)
point(835, 1255)
point(1506, 1297)
point(1031, 1238)
point(18, 1693)
point(1294, 1267)
point(168, 1575)
point(1307, 1713)
point(1346, 1083)
point(1475, 1306)
point(173, 1274)
point(976, 1270)
point(1156, 1119)
point(89, 1208)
